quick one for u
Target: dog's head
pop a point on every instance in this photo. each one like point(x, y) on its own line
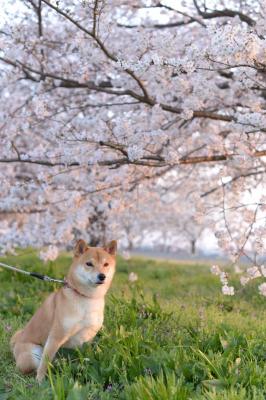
point(93, 267)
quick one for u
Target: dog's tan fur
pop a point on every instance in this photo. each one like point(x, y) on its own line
point(70, 316)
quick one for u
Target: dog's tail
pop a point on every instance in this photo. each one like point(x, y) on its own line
point(15, 338)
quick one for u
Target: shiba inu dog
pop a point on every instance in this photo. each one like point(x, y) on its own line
point(70, 316)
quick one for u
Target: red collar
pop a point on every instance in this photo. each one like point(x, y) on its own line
point(68, 286)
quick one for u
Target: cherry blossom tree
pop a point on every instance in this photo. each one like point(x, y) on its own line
point(101, 99)
point(160, 217)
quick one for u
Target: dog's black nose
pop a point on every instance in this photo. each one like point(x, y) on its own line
point(101, 277)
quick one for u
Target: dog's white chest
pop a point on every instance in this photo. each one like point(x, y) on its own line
point(85, 320)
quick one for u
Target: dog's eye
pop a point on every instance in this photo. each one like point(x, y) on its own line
point(105, 265)
point(89, 264)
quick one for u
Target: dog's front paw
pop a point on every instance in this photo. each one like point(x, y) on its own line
point(40, 376)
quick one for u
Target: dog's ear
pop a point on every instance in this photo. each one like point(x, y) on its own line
point(80, 248)
point(111, 247)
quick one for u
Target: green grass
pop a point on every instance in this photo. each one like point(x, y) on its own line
point(169, 336)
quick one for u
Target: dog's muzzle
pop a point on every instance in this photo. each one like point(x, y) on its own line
point(101, 279)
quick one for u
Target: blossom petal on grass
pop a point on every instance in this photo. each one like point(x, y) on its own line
point(132, 277)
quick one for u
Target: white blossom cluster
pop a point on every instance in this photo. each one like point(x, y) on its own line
point(226, 289)
point(132, 277)
point(251, 273)
point(240, 45)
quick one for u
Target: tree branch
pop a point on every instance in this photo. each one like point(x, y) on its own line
point(234, 179)
point(73, 84)
point(101, 45)
point(205, 15)
point(150, 161)
point(224, 13)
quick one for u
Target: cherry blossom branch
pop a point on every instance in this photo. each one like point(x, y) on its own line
point(150, 161)
point(73, 84)
point(247, 235)
point(162, 26)
point(234, 179)
point(95, 15)
point(39, 13)
point(204, 15)
point(224, 214)
point(257, 66)
point(223, 13)
point(99, 42)
point(22, 211)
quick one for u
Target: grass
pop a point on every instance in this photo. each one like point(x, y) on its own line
point(169, 336)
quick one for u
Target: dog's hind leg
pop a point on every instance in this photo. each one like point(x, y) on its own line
point(28, 357)
point(15, 338)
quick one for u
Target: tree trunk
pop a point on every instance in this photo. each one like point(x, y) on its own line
point(193, 246)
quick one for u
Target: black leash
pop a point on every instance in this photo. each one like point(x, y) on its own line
point(34, 274)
